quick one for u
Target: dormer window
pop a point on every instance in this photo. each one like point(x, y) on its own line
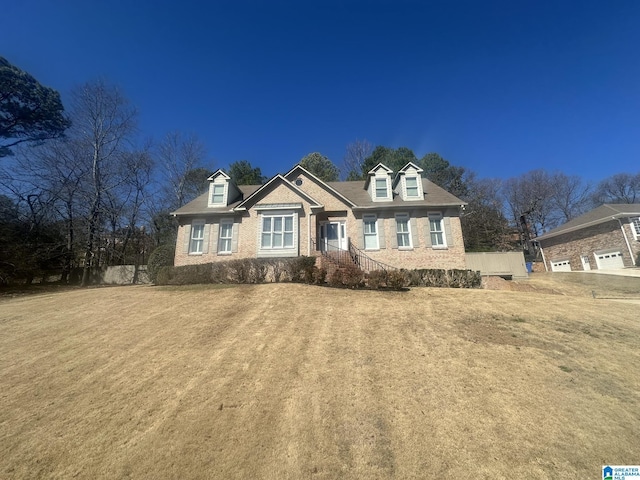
point(408, 182)
point(217, 194)
point(381, 188)
point(412, 187)
point(222, 190)
point(378, 184)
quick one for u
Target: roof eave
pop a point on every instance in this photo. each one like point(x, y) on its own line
point(592, 223)
point(405, 205)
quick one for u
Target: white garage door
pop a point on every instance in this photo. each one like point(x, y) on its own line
point(608, 261)
point(560, 266)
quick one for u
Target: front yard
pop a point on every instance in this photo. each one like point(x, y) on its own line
point(293, 381)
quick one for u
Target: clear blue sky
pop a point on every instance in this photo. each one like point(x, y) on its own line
point(499, 87)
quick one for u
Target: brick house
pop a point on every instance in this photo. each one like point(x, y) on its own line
point(401, 220)
point(607, 237)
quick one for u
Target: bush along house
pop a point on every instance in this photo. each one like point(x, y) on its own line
point(391, 219)
point(607, 237)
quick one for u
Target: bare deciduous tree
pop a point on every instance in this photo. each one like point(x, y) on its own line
point(530, 195)
point(619, 188)
point(103, 122)
point(484, 225)
point(569, 195)
point(354, 158)
point(58, 169)
point(180, 155)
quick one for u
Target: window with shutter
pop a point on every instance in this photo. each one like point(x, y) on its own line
point(197, 238)
point(403, 231)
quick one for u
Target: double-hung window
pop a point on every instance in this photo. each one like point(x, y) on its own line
point(381, 188)
point(412, 187)
point(277, 231)
point(217, 194)
point(225, 236)
point(436, 229)
point(196, 243)
point(370, 230)
point(403, 231)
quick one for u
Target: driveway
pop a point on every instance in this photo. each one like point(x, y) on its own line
point(625, 272)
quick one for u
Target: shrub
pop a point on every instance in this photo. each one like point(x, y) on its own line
point(443, 278)
point(300, 269)
point(319, 276)
point(348, 276)
point(245, 270)
point(219, 272)
point(397, 280)
point(377, 279)
point(164, 275)
point(239, 271)
point(191, 274)
point(160, 257)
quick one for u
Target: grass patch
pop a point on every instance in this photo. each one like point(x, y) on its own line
point(197, 287)
point(298, 381)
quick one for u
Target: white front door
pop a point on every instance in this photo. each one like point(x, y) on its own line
point(333, 236)
point(585, 262)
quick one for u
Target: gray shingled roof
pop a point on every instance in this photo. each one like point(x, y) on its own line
point(354, 191)
point(198, 206)
point(433, 196)
point(603, 213)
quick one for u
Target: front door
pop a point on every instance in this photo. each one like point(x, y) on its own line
point(333, 236)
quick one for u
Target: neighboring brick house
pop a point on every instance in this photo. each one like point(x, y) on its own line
point(607, 237)
point(401, 220)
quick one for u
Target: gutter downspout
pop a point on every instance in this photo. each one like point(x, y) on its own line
point(626, 241)
point(309, 233)
point(544, 260)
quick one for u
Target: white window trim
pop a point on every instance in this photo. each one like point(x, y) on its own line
point(282, 215)
point(402, 217)
point(375, 188)
point(406, 188)
point(192, 239)
point(225, 222)
point(225, 190)
point(440, 217)
point(374, 220)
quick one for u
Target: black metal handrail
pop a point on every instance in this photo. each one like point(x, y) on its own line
point(352, 256)
point(366, 263)
point(335, 254)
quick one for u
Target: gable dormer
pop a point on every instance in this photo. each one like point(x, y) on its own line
point(378, 183)
point(408, 182)
point(222, 190)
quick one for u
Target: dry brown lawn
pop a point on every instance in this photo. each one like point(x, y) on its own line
point(301, 382)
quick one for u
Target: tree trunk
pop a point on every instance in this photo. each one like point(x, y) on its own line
point(93, 219)
point(68, 257)
point(88, 254)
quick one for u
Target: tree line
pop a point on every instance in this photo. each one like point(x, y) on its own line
point(80, 189)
